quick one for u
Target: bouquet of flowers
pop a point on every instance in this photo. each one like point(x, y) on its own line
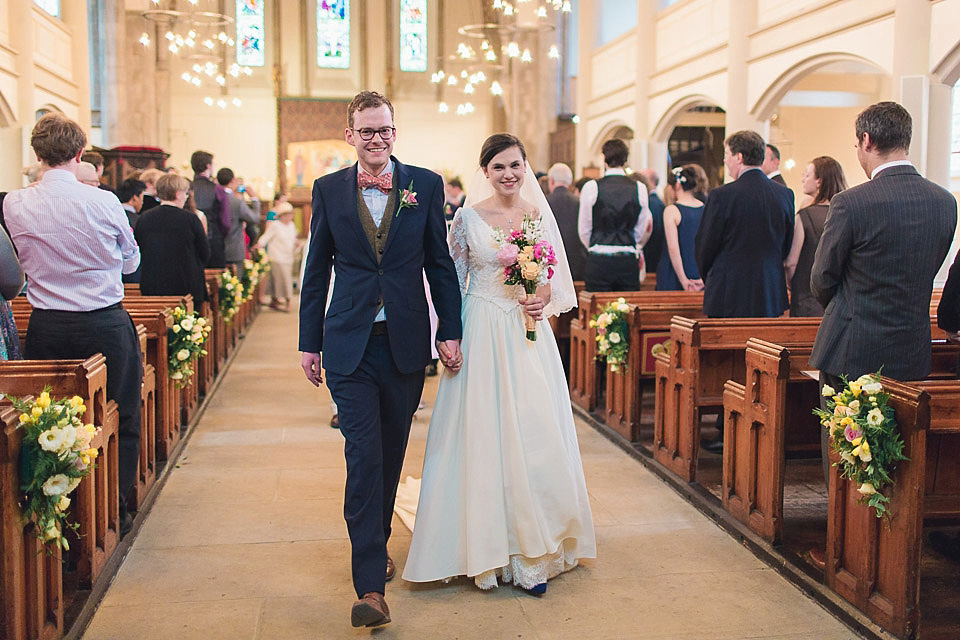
point(231, 295)
point(527, 260)
point(185, 341)
point(863, 432)
point(56, 454)
point(613, 339)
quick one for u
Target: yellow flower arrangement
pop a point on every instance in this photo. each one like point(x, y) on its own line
point(185, 342)
point(613, 339)
point(231, 295)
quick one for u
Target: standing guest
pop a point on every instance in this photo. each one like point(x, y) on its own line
point(173, 244)
point(213, 201)
point(11, 282)
point(149, 177)
point(74, 242)
point(771, 164)
point(566, 207)
point(882, 245)
point(454, 197)
point(677, 270)
point(744, 236)
point(234, 248)
point(654, 245)
point(87, 174)
point(821, 180)
point(375, 334)
point(578, 186)
point(130, 195)
point(280, 239)
point(94, 158)
point(614, 222)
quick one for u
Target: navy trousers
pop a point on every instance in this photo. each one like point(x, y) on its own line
point(54, 335)
point(375, 405)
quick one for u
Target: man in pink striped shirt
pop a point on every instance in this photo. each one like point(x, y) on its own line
point(74, 241)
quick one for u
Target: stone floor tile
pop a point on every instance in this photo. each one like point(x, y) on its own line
point(210, 620)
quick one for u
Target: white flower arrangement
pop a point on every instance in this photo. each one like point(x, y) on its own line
point(185, 342)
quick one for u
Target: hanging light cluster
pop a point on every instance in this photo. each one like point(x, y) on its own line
point(480, 62)
point(196, 36)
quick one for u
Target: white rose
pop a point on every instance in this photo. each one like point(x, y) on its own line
point(69, 437)
point(615, 337)
point(176, 376)
point(182, 355)
point(828, 391)
point(63, 504)
point(202, 321)
point(56, 485)
point(187, 323)
point(176, 328)
point(867, 489)
point(875, 417)
point(872, 388)
point(621, 300)
point(51, 439)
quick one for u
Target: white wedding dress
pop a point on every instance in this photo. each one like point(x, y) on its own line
point(503, 492)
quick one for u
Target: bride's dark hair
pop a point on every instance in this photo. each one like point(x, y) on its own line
point(499, 142)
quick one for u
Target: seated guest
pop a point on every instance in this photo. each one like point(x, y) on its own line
point(677, 270)
point(821, 180)
point(11, 282)
point(173, 245)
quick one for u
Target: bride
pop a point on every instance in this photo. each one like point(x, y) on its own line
point(503, 493)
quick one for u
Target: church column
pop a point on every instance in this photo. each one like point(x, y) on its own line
point(74, 15)
point(646, 151)
point(927, 100)
point(586, 39)
point(743, 20)
point(22, 39)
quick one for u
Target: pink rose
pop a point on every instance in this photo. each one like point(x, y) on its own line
point(508, 254)
point(851, 434)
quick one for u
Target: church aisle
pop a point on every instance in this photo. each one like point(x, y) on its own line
point(247, 540)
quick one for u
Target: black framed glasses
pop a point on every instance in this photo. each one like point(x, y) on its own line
point(367, 134)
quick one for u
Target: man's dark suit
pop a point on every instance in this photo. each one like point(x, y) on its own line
point(654, 246)
point(376, 380)
point(882, 245)
point(779, 179)
point(566, 208)
point(948, 311)
point(744, 236)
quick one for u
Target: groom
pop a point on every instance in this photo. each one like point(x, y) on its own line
point(381, 223)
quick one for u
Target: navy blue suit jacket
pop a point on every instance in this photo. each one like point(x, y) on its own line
point(415, 243)
point(743, 239)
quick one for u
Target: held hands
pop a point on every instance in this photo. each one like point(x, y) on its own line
point(450, 354)
point(533, 307)
point(694, 285)
point(311, 368)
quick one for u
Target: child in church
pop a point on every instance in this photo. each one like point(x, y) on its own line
point(281, 242)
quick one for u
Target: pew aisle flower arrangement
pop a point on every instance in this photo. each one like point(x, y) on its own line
point(249, 278)
point(864, 433)
point(185, 340)
point(231, 295)
point(527, 259)
point(613, 338)
point(55, 455)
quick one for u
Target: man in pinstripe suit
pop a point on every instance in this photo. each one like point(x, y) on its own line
point(882, 245)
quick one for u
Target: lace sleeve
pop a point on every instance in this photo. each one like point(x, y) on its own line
point(459, 250)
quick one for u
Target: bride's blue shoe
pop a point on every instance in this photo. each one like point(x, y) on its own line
point(536, 590)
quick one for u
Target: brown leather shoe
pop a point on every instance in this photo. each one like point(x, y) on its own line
point(391, 569)
point(818, 557)
point(370, 611)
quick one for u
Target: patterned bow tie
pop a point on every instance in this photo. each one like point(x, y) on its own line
point(384, 181)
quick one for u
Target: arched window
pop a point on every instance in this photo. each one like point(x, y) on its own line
point(333, 34)
point(50, 6)
point(250, 33)
point(413, 35)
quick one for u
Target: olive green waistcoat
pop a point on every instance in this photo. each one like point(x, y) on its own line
point(377, 236)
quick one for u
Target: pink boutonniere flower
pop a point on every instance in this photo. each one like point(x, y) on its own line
point(408, 198)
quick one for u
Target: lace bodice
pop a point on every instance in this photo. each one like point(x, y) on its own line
point(474, 247)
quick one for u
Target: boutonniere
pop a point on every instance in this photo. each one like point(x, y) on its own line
point(408, 198)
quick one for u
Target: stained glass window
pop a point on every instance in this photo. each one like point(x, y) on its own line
point(413, 35)
point(50, 6)
point(250, 33)
point(333, 34)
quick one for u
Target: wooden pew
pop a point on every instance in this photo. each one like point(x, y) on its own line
point(219, 346)
point(770, 415)
point(96, 504)
point(147, 468)
point(875, 564)
point(585, 371)
point(704, 354)
point(31, 579)
point(648, 324)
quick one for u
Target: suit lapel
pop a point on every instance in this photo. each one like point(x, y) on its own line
point(348, 202)
point(401, 182)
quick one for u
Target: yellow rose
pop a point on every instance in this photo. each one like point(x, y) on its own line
point(36, 412)
point(76, 402)
point(530, 271)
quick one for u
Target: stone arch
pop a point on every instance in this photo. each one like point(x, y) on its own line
point(770, 99)
point(663, 129)
point(7, 117)
point(615, 129)
point(947, 71)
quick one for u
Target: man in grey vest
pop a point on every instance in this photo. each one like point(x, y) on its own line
point(613, 224)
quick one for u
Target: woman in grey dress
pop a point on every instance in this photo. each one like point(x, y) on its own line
point(822, 179)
